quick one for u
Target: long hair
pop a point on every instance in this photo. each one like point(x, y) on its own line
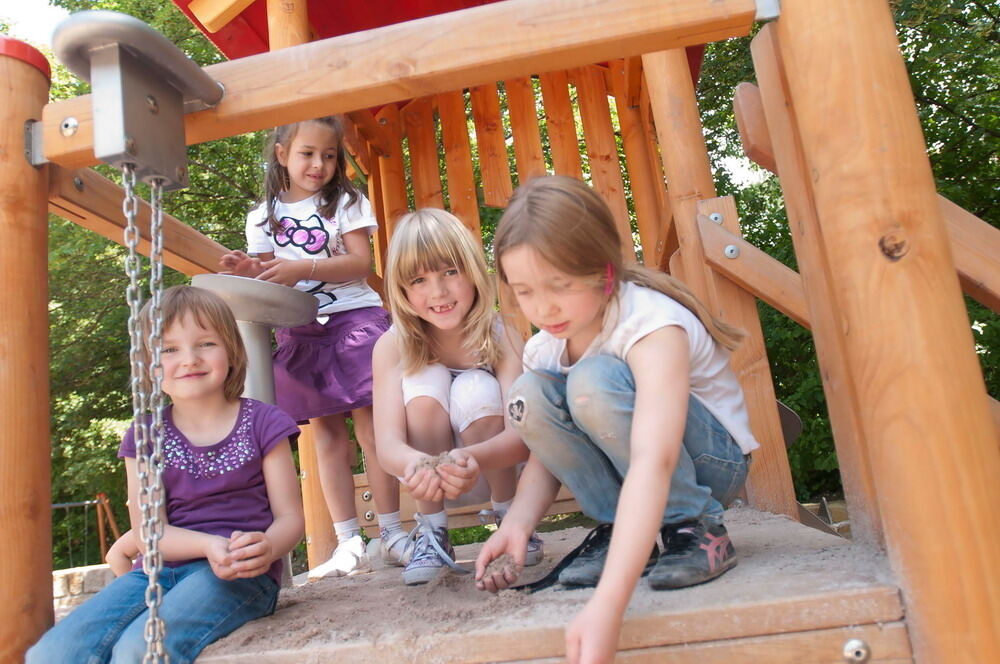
point(276, 177)
point(424, 241)
point(569, 224)
point(211, 313)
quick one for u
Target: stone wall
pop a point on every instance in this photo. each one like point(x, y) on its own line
point(71, 587)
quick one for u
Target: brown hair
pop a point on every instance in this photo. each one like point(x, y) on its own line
point(569, 224)
point(276, 176)
point(423, 241)
point(211, 313)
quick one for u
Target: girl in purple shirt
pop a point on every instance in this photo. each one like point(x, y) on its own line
point(232, 503)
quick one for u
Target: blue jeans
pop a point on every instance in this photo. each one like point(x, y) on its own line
point(197, 608)
point(580, 425)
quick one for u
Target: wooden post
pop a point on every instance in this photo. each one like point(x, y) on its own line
point(908, 347)
point(25, 487)
point(287, 23)
point(685, 162)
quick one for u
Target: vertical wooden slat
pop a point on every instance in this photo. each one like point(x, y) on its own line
point(391, 169)
point(643, 169)
point(602, 149)
point(419, 125)
point(667, 243)
point(900, 312)
point(287, 23)
point(564, 143)
point(376, 197)
point(818, 279)
point(458, 160)
point(494, 167)
point(524, 124)
point(685, 161)
point(25, 484)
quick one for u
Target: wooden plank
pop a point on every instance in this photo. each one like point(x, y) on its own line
point(419, 126)
point(770, 484)
point(909, 348)
point(25, 466)
point(380, 241)
point(216, 14)
point(90, 200)
point(371, 131)
point(602, 149)
point(644, 172)
point(524, 124)
point(754, 271)
point(667, 243)
point(685, 162)
point(564, 144)
point(752, 125)
point(287, 23)
point(819, 279)
point(391, 169)
point(462, 198)
point(418, 58)
point(494, 166)
point(632, 92)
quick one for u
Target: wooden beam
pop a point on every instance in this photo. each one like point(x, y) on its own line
point(754, 271)
point(423, 57)
point(494, 165)
point(216, 14)
point(25, 467)
point(91, 200)
point(391, 169)
point(900, 313)
point(371, 131)
point(287, 23)
point(355, 145)
point(752, 125)
point(419, 126)
point(564, 144)
point(521, 106)
point(462, 198)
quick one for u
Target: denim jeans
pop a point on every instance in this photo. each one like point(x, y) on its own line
point(197, 608)
point(579, 426)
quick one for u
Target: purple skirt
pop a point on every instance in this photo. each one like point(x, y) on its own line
point(327, 369)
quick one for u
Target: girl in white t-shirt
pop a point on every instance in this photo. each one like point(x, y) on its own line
point(441, 375)
point(311, 232)
point(629, 400)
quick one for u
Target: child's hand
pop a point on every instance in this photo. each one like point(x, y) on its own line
point(284, 271)
point(592, 636)
point(240, 264)
point(217, 553)
point(459, 477)
point(251, 553)
point(422, 481)
point(509, 541)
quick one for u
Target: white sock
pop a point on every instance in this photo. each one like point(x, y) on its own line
point(501, 508)
point(389, 523)
point(345, 530)
point(438, 519)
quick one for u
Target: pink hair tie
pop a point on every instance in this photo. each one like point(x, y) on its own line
point(609, 279)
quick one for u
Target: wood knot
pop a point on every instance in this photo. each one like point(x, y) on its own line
point(893, 246)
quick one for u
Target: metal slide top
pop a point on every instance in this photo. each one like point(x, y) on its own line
point(76, 38)
point(260, 302)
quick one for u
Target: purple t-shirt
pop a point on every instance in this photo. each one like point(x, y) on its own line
point(220, 488)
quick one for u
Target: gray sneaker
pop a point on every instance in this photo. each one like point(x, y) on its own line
point(431, 553)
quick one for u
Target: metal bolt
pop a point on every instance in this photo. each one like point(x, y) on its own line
point(69, 126)
point(366, 496)
point(856, 650)
point(154, 108)
point(130, 145)
point(893, 246)
point(78, 183)
point(383, 121)
point(731, 251)
point(369, 515)
point(716, 217)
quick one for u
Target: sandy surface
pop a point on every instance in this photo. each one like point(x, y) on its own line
point(356, 618)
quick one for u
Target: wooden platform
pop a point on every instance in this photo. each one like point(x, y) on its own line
point(796, 597)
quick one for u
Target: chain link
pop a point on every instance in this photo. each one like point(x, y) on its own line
point(148, 431)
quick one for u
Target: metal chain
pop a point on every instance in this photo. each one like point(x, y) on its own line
point(148, 432)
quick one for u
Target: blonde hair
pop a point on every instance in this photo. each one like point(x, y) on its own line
point(569, 224)
point(211, 313)
point(424, 241)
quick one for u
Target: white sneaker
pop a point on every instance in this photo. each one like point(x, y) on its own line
point(395, 549)
point(348, 559)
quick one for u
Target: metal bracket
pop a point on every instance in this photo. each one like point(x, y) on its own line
point(33, 151)
point(767, 10)
point(142, 87)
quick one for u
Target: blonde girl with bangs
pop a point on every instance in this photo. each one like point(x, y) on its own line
point(441, 375)
point(629, 400)
point(232, 509)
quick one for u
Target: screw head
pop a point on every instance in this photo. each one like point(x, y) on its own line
point(856, 650)
point(78, 183)
point(383, 121)
point(69, 126)
point(731, 251)
point(369, 515)
point(366, 496)
point(716, 217)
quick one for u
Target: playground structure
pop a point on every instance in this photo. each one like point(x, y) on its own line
point(883, 259)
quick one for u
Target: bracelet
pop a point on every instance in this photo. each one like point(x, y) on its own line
point(312, 271)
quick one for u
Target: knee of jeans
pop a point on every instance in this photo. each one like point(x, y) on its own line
point(531, 396)
point(130, 648)
point(590, 384)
